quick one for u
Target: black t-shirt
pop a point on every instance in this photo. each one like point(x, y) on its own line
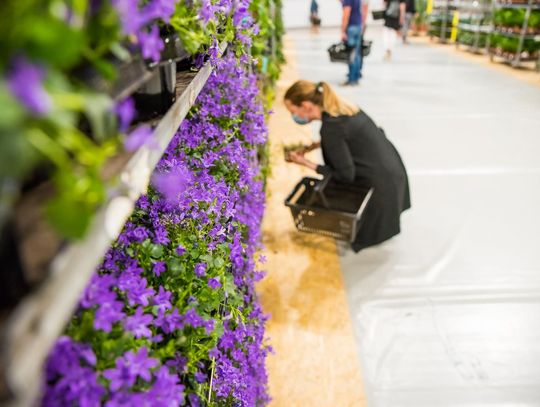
point(410, 6)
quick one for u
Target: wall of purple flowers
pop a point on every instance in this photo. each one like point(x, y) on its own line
point(171, 317)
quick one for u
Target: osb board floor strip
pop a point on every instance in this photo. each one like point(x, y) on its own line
point(315, 362)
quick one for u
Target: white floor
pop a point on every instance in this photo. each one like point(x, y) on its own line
point(448, 313)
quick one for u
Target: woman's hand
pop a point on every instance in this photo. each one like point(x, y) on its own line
point(298, 158)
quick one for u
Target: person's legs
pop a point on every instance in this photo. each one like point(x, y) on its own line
point(386, 33)
point(406, 25)
point(355, 65)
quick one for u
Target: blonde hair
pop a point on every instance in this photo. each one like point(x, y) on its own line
point(321, 94)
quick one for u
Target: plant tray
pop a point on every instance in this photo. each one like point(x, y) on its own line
point(332, 210)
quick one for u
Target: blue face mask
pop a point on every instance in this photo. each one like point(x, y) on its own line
point(299, 120)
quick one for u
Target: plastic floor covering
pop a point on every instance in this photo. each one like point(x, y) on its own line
point(448, 312)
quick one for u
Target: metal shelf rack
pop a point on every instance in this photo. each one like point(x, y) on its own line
point(474, 26)
point(444, 13)
point(522, 34)
point(40, 318)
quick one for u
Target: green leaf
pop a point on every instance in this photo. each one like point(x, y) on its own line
point(175, 266)
point(156, 251)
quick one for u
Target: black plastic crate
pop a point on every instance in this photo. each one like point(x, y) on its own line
point(328, 209)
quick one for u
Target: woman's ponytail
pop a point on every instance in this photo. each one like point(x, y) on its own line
point(322, 95)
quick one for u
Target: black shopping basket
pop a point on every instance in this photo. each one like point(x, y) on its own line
point(328, 209)
point(341, 52)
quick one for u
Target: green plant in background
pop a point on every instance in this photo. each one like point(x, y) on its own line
point(54, 124)
point(534, 19)
point(43, 107)
point(421, 17)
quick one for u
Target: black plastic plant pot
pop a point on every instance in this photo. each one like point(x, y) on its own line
point(154, 98)
point(129, 75)
point(174, 50)
point(14, 283)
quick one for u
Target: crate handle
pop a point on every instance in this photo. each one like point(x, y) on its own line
point(318, 189)
point(364, 203)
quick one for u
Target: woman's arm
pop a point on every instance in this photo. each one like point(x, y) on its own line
point(311, 147)
point(339, 155)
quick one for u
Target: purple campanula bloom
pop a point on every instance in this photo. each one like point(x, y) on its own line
point(172, 184)
point(214, 283)
point(178, 363)
point(200, 377)
point(151, 44)
point(98, 291)
point(194, 400)
point(207, 11)
point(107, 314)
point(125, 110)
point(25, 82)
point(161, 236)
point(162, 300)
point(200, 269)
point(139, 293)
point(141, 136)
point(166, 391)
point(130, 17)
point(159, 267)
point(180, 250)
point(138, 323)
point(130, 366)
point(160, 9)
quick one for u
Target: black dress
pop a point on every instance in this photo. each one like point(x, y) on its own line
point(357, 152)
point(392, 21)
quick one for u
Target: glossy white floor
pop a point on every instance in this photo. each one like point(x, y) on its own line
point(448, 313)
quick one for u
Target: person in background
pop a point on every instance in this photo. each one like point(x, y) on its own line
point(314, 15)
point(351, 32)
point(410, 12)
point(394, 16)
point(356, 152)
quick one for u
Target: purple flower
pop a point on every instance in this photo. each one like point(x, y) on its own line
point(180, 250)
point(132, 20)
point(107, 314)
point(214, 283)
point(159, 267)
point(200, 269)
point(194, 400)
point(200, 377)
point(139, 234)
point(151, 44)
point(170, 322)
point(162, 300)
point(166, 391)
point(161, 235)
point(138, 323)
point(139, 293)
point(207, 11)
point(160, 9)
point(141, 136)
point(174, 183)
point(178, 363)
point(99, 291)
point(25, 82)
point(125, 110)
point(129, 367)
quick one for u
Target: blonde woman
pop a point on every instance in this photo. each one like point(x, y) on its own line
point(355, 152)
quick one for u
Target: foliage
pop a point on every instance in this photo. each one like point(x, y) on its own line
point(171, 317)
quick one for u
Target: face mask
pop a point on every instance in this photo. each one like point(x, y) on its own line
point(300, 120)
